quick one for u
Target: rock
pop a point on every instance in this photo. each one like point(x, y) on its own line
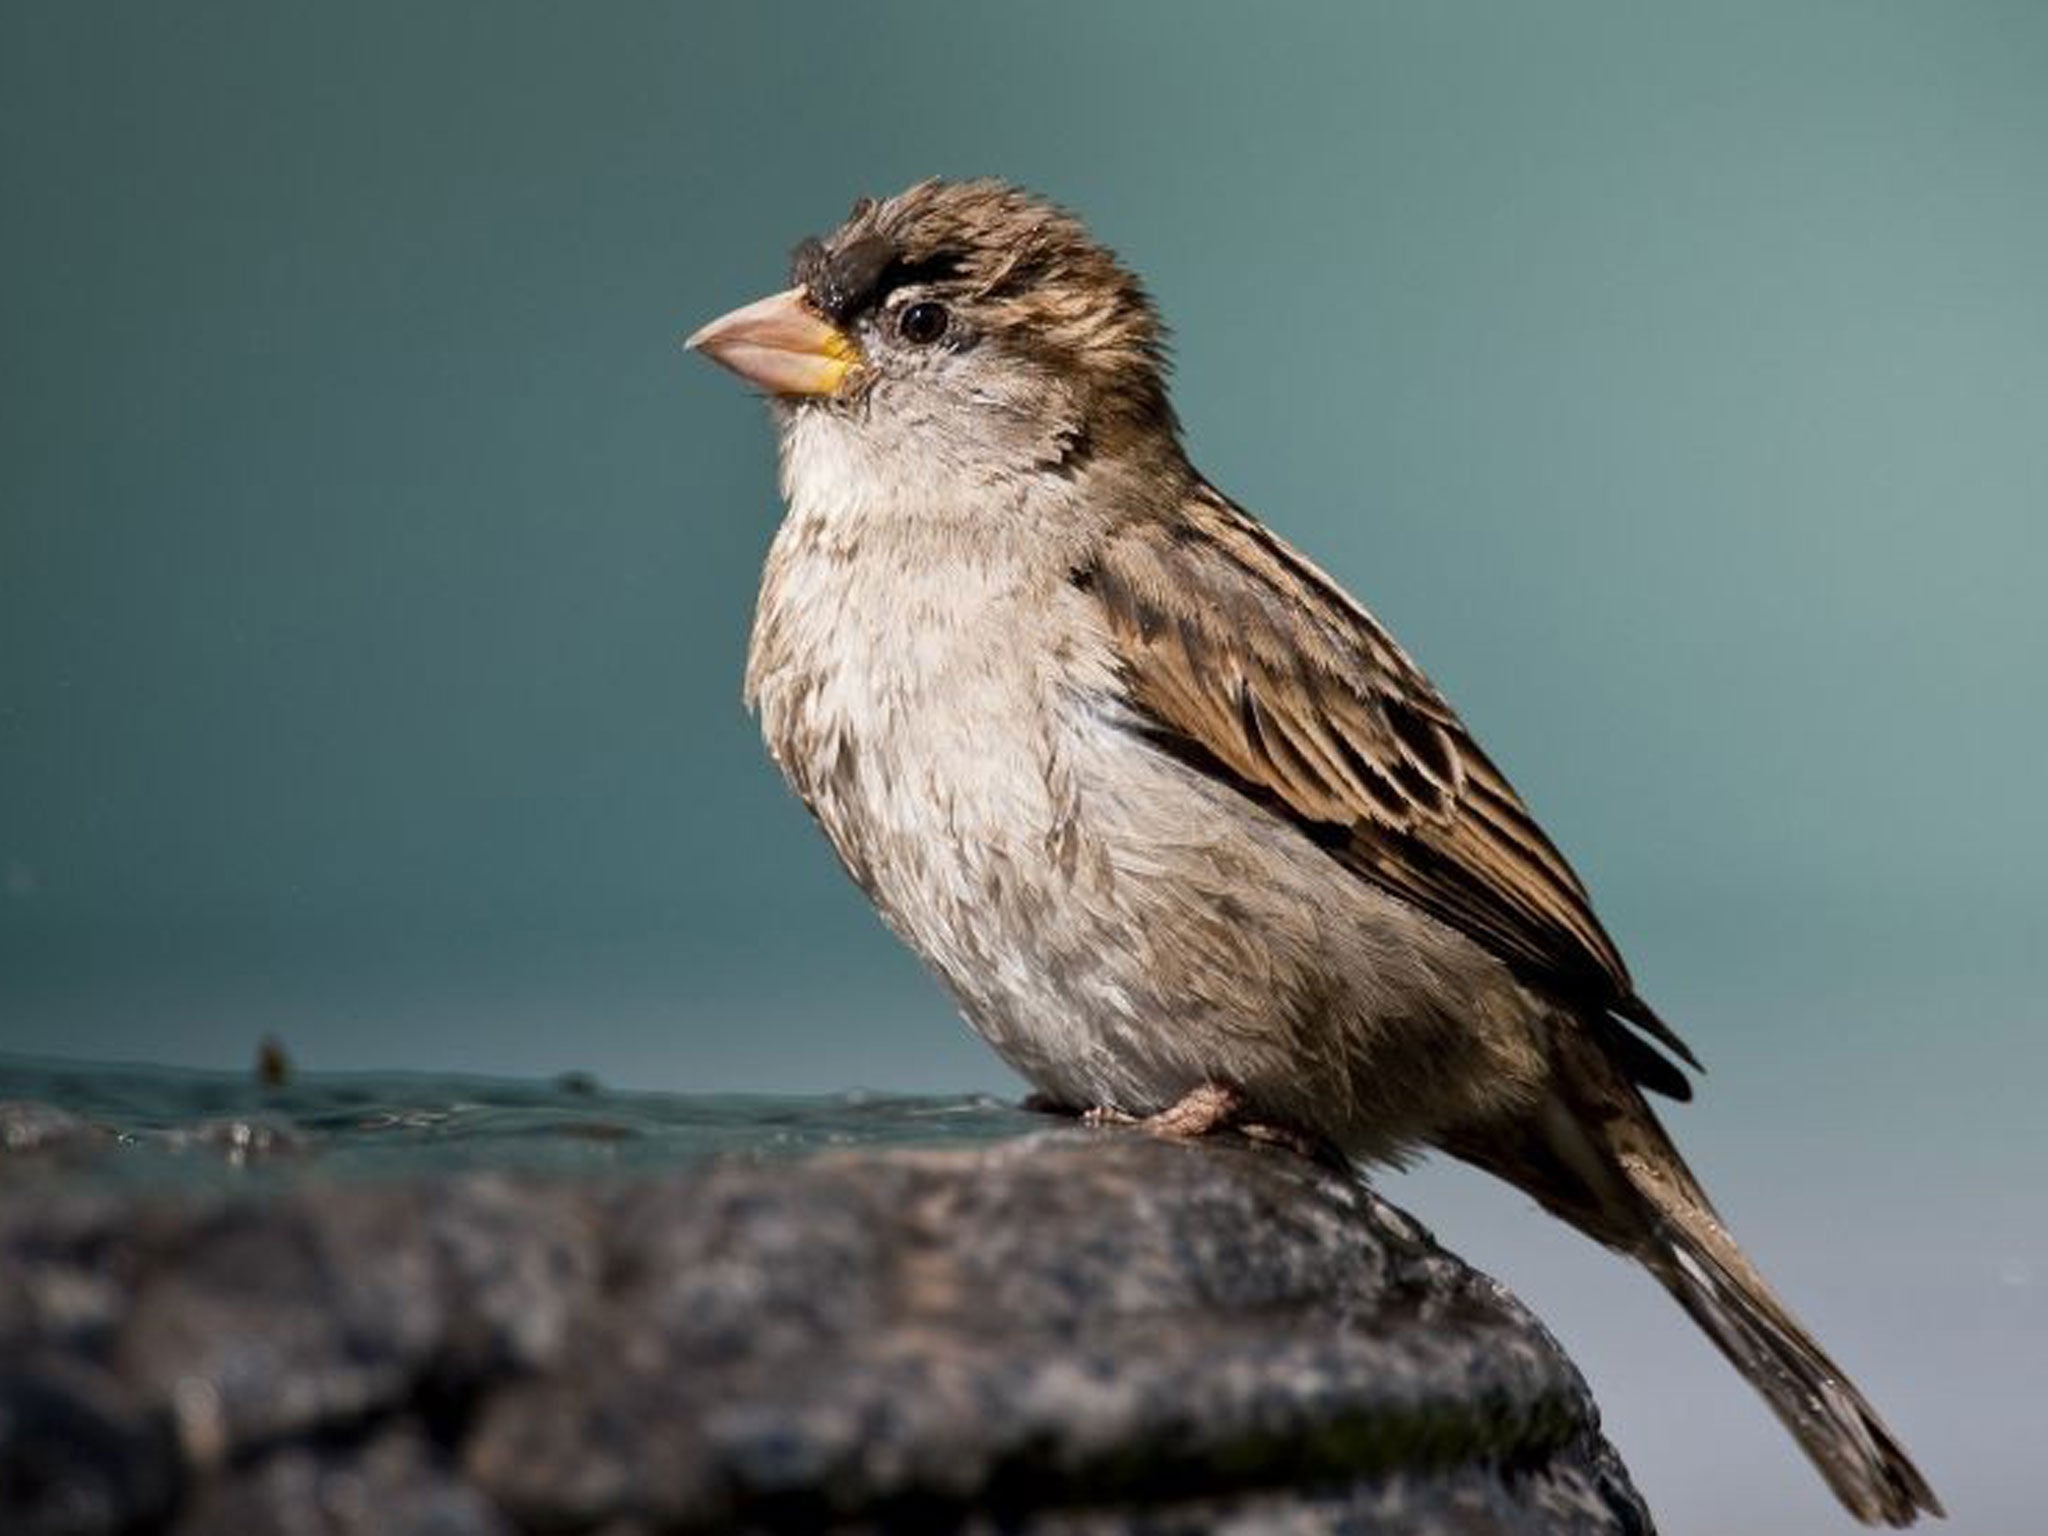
point(28, 1125)
point(259, 1323)
point(1064, 1333)
point(77, 1455)
point(392, 1485)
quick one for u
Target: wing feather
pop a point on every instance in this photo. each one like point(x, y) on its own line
point(1247, 659)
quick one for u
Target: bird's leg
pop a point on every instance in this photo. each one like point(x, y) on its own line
point(1215, 1107)
point(1201, 1112)
point(1211, 1107)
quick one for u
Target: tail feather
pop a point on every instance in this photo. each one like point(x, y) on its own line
point(1595, 1155)
point(1840, 1432)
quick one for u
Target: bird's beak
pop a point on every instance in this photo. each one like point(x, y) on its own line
point(781, 344)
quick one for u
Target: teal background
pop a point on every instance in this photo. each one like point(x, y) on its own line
point(375, 569)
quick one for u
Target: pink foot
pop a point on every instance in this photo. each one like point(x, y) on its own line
point(1211, 1108)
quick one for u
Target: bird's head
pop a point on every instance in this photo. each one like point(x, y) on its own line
point(966, 322)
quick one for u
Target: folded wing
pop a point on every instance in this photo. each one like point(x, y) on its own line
point(1242, 658)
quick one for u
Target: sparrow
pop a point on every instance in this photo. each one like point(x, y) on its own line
point(1189, 838)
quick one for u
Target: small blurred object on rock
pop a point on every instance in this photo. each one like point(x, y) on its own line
point(273, 1063)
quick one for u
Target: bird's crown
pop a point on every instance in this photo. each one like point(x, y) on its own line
point(1027, 263)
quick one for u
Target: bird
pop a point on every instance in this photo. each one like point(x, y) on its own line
point(1189, 838)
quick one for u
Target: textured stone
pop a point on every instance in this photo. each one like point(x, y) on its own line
point(390, 1486)
point(1062, 1333)
point(77, 1453)
point(260, 1322)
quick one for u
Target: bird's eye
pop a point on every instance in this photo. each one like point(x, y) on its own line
point(923, 323)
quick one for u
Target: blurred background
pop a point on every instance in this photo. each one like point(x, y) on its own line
point(375, 569)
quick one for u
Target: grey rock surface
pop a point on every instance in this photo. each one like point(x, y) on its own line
point(1068, 1333)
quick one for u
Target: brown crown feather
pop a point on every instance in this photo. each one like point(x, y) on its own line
point(1031, 268)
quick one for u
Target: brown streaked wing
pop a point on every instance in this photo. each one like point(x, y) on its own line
point(1252, 662)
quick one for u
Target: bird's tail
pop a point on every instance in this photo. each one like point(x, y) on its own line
point(1614, 1174)
point(1840, 1432)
